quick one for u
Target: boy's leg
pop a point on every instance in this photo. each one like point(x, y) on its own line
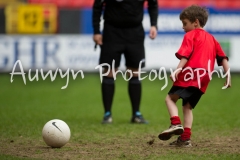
point(184, 139)
point(188, 120)
point(176, 127)
point(188, 105)
point(190, 97)
point(172, 108)
point(171, 105)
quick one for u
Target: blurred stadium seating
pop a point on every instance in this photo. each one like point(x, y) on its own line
point(162, 3)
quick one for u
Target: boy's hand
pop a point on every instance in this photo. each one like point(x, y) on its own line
point(226, 68)
point(171, 77)
point(175, 75)
point(227, 83)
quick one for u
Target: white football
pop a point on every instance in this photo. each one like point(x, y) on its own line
point(56, 133)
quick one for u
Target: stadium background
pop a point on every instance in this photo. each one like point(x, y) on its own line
point(52, 34)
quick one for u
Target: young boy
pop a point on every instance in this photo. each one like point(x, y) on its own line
point(197, 56)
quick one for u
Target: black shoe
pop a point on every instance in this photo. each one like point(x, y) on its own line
point(107, 119)
point(138, 119)
point(181, 143)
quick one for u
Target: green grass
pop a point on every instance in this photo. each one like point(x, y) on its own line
point(24, 109)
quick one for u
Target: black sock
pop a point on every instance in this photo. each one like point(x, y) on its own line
point(135, 90)
point(107, 93)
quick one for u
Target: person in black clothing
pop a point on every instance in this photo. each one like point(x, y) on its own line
point(123, 33)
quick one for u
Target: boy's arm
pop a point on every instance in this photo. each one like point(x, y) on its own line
point(183, 54)
point(226, 69)
point(181, 64)
point(222, 60)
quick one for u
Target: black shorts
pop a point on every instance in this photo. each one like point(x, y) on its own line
point(126, 41)
point(189, 95)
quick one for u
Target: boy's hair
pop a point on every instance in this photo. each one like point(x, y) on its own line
point(195, 12)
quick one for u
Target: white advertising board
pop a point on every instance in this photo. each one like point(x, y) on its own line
point(77, 52)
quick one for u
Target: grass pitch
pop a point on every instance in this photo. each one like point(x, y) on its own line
point(24, 109)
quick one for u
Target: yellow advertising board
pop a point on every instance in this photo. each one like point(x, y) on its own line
point(30, 19)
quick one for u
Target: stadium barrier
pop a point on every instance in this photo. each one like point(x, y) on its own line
point(49, 52)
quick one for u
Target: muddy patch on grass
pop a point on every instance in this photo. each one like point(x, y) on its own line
point(139, 148)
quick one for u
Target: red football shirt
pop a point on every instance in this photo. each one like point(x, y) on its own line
point(201, 49)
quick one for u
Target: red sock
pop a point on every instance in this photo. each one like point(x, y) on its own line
point(175, 120)
point(186, 134)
